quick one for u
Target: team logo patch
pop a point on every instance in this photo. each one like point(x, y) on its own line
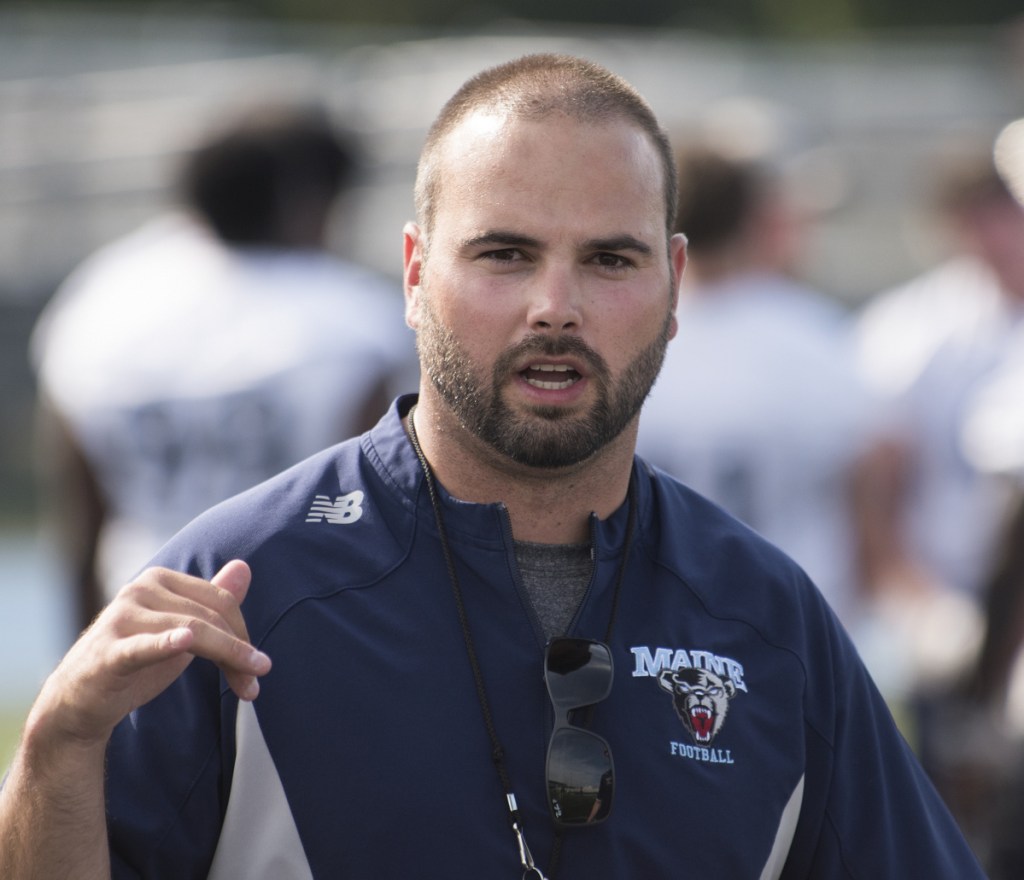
point(701, 700)
point(701, 685)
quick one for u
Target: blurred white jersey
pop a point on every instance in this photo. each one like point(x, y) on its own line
point(993, 428)
point(926, 347)
point(759, 408)
point(189, 372)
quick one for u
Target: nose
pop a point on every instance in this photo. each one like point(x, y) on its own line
point(555, 303)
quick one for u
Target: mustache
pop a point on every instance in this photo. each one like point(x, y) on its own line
point(551, 346)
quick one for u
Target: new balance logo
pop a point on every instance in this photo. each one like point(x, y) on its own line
point(343, 510)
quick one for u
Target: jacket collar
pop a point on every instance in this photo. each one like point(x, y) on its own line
point(390, 452)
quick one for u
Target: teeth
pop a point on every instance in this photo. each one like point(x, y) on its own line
point(572, 376)
point(550, 386)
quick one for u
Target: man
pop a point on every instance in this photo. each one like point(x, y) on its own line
point(926, 346)
point(403, 728)
point(935, 512)
point(758, 405)
point(212, 347)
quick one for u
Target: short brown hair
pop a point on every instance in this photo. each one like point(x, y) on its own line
point(534, 87)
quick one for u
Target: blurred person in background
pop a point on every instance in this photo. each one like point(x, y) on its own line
point(212, 347)
point(972, 733)
point(758, 405)
point(925, 347)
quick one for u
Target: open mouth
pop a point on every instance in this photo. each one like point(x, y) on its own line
point(703, 721)
point(550, 377)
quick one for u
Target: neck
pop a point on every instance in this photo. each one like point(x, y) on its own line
point(546, 506)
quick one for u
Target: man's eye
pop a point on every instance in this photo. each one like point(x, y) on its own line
point(612, 261)
point(504, 255)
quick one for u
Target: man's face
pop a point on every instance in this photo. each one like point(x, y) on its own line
point(547, 297)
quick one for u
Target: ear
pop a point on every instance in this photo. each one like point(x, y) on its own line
point(413, 243)
point(677, 256)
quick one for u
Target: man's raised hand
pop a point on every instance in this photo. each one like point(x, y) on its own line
point(143, 641)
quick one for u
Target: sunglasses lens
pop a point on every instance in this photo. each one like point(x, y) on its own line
point(580, 777)
point(579, 672)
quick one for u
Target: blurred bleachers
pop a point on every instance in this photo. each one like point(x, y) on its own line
point(93, 109)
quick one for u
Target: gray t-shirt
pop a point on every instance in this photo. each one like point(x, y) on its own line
point(556, 577)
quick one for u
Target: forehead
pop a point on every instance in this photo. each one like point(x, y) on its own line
point(556, 167)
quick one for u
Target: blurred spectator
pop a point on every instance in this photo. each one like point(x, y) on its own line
point(212, 347)
point(972, 734)
point(925, 347)
point(759, 406)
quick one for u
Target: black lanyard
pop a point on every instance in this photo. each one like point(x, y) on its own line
point(497, 751)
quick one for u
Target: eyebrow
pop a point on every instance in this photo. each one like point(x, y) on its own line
point(516, 239)
point(500, 237)
point(618, 243)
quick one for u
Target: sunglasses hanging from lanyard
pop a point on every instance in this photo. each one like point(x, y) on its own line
point(578, 673)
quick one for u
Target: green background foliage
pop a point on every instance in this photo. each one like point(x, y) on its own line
point(776, 18)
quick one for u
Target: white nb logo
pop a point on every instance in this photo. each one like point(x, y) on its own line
point(343, 510)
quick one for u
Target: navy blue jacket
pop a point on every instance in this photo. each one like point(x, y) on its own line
point(365, 755)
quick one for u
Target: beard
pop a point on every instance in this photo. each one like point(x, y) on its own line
point(545, 436)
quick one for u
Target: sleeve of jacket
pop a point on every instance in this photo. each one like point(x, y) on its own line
point(169, 769)
point(166, 777)
point(869, 812)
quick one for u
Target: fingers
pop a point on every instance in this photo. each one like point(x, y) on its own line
point(246, 664)
point(234, 577)
point(241, 663)
point(141, 643)
point(229, 648)
point(183, 615)
point(217, 601)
